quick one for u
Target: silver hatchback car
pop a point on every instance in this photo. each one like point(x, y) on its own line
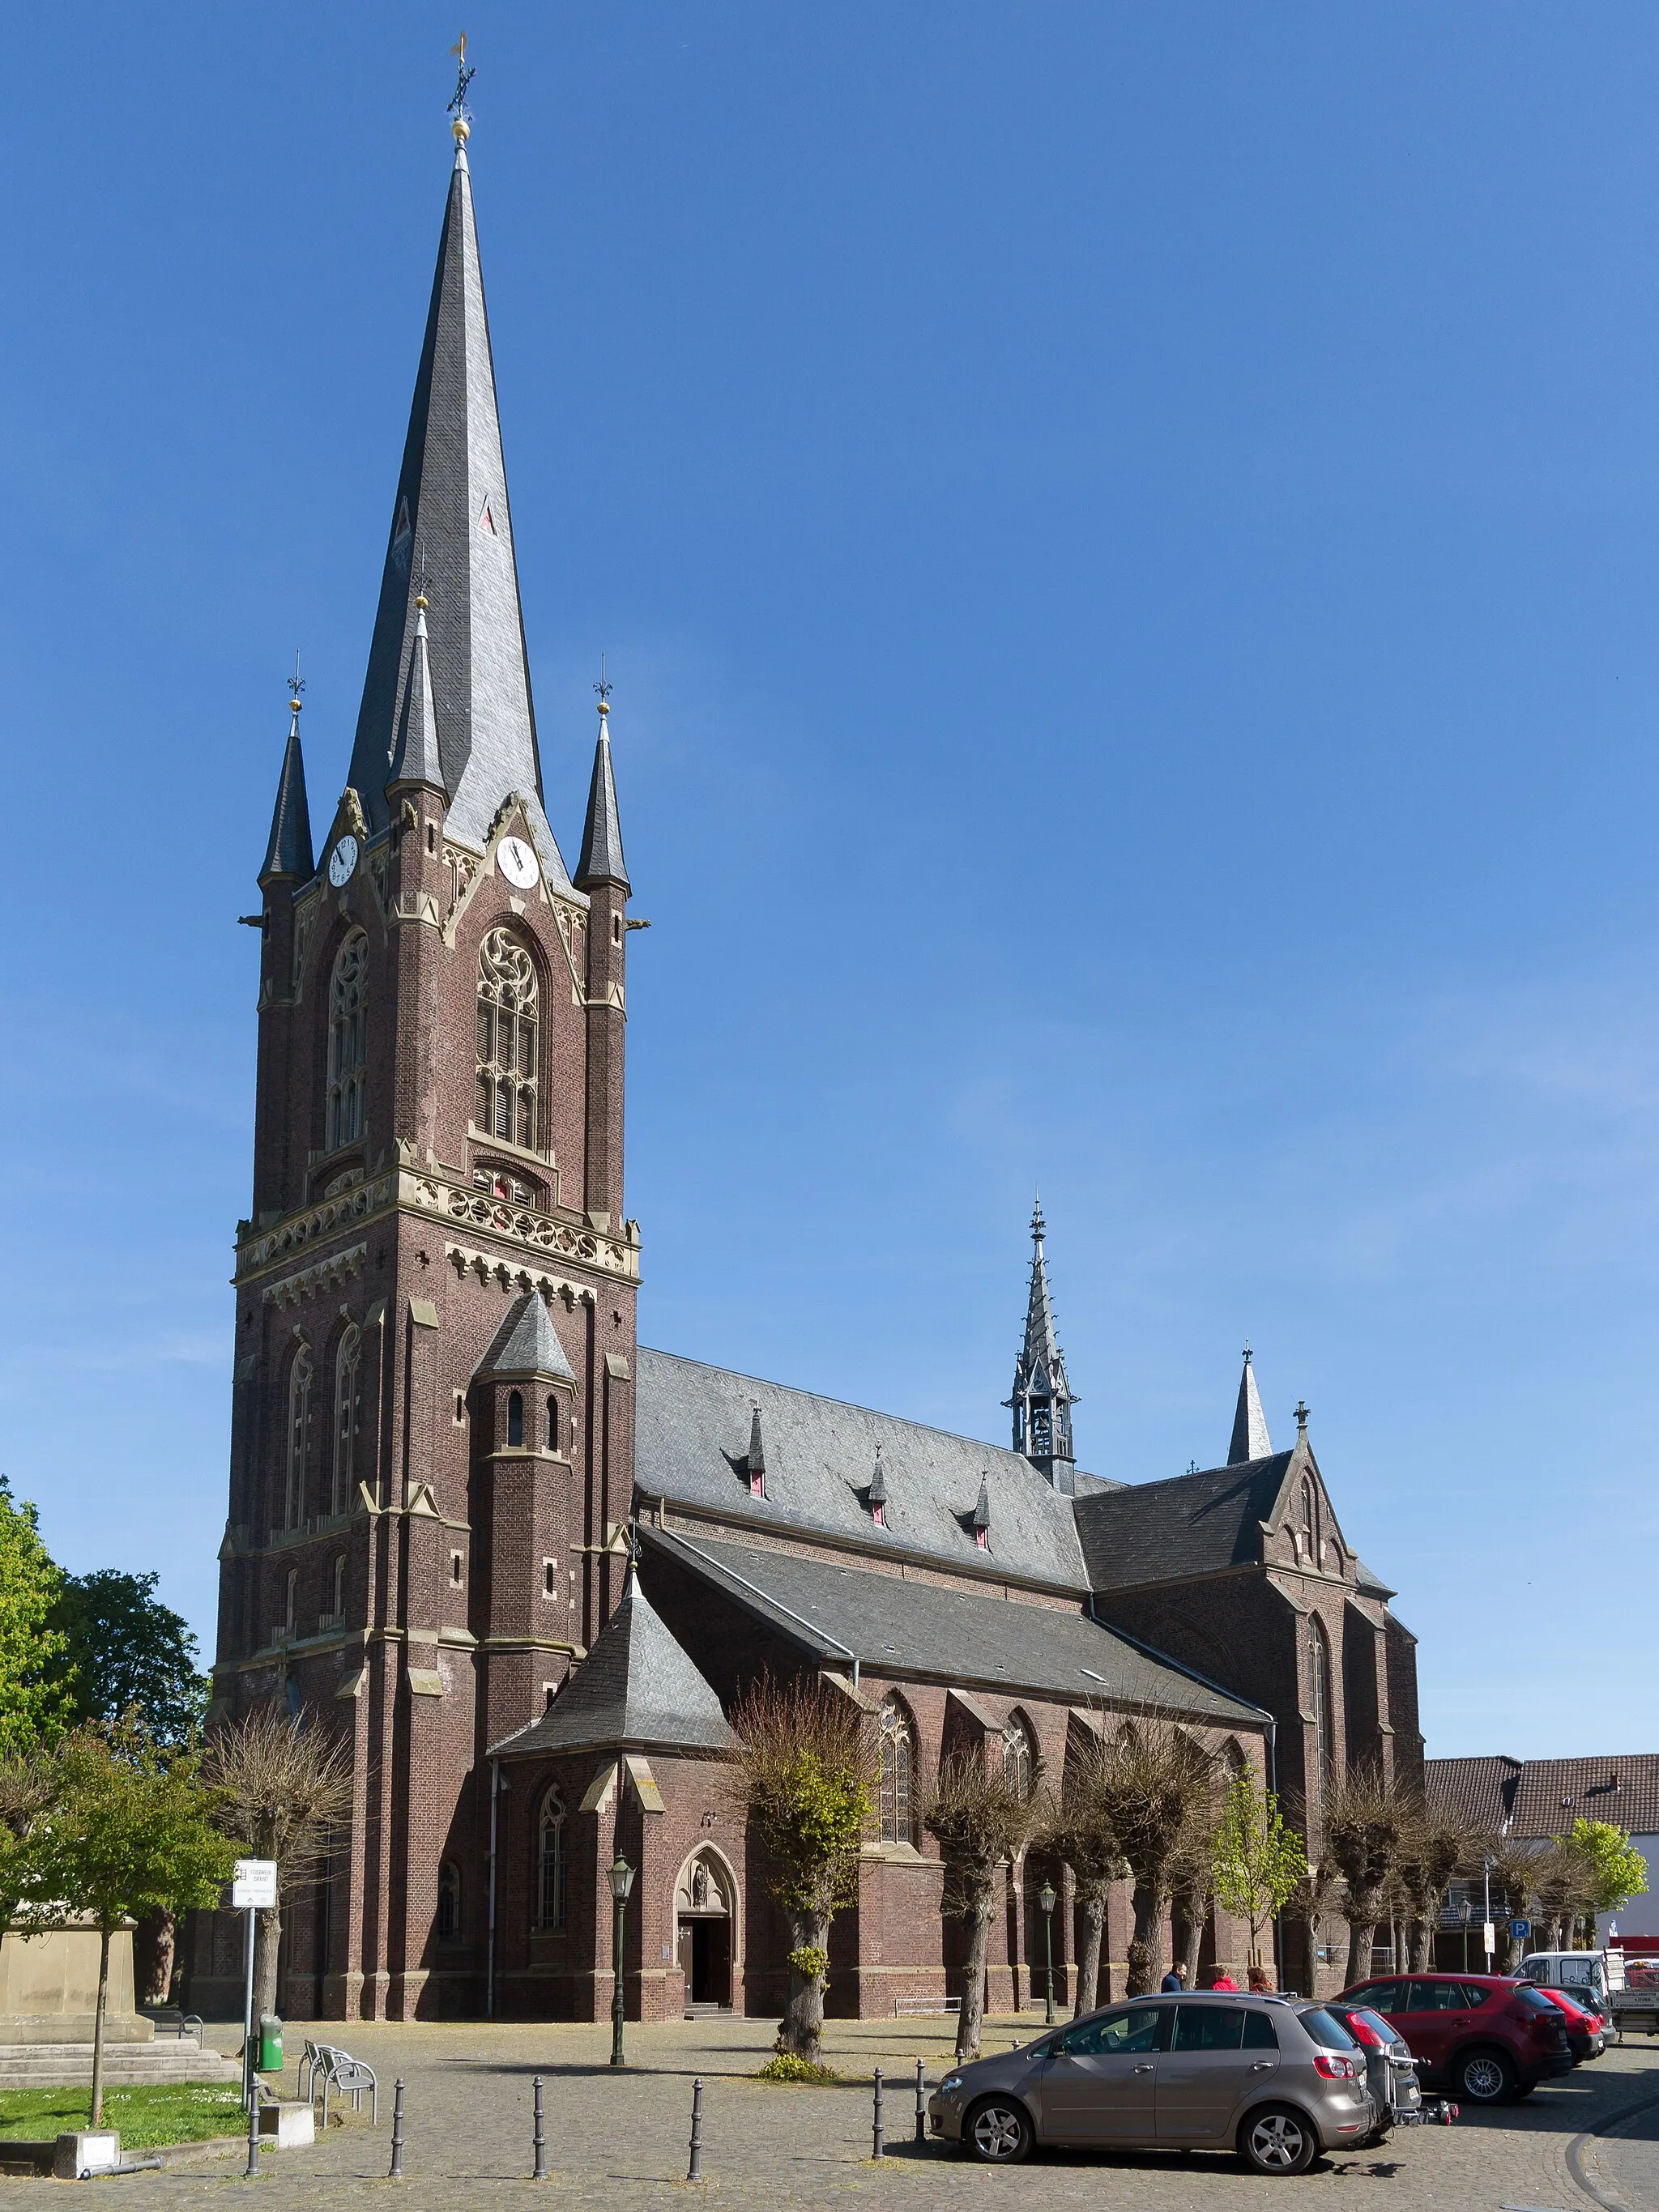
point(1275, 2079)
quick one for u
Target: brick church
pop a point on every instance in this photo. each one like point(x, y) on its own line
point(445, 1427)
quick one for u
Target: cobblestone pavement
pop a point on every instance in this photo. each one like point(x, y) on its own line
point(622, 2138)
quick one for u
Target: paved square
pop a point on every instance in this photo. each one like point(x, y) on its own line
point(621, 2139)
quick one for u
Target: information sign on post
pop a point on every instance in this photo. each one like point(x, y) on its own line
point(1490, 1933)
point(253, 1887)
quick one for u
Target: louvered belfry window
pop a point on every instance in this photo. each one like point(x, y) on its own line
point(507, 1024)
point(348, 1042)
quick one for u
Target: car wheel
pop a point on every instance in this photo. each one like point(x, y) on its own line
point(1277, 2140)
point(1485, 2077)
point(998, 2132)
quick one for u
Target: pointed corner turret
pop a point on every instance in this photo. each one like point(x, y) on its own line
point(289, 852)
point(601, 860)
point(1041, 1402)
point(981, 1520)
point(756, 1459)
point(415, 759)
point(1250, 1439)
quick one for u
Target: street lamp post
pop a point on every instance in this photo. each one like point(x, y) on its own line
point(1046, 1899)
point(622, 1883)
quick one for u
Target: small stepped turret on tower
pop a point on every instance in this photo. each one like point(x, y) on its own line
point(1043, 1400)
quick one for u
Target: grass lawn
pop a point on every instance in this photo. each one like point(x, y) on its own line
point(170, 2112)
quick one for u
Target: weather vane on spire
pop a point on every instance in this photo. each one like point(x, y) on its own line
point(296, 683)
point(604, 687)
point(464, 76)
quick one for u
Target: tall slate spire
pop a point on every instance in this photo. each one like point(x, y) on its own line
point(451, 512)
point(289, 852)
point(601, 860)
point(1043, 1399)
point(1250, 1437)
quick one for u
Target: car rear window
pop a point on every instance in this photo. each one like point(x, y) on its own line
point(1535, 2001)
point(1327, 2029)
point(1377, 2025)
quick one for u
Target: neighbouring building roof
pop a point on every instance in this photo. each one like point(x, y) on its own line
point(451, 528)
point(636, 1688)
point(899, 1628)
point(692, 1429)
point(1191, 1524)
point(1531, 1799)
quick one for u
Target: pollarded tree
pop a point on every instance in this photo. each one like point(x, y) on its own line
point(1157, 1785)
point(1258, 1861)
point(1365, 1826)
point(1077, 1828)
point(805, 1777)
point(283, 1788)
point(980, 1813)
point(1434, 1849)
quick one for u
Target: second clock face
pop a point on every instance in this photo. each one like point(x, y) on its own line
point(342, 860)
point(518, 862)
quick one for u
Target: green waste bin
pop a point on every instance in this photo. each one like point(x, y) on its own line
point(270, 2043)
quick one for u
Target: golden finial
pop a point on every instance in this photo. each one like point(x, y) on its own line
point(462, 126)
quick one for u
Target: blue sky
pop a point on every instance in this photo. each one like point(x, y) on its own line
point(1126, 542)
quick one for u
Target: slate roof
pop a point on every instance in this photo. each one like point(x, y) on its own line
point(896, 1626)
point(601, 860)
point(1479, 1792)
point(416, 756)
point(1191, 1524)
point(526, 1343)
point(450, 525)
point(692, 1426)
point(290, 851)
point(1531, 1799)
point(635, 1690)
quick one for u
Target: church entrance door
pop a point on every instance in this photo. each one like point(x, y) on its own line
point(706, 1961)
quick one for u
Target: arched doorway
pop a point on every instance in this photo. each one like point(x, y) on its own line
point(705, 1904)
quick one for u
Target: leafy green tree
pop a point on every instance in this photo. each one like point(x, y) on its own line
point(35, 1702)
point(979, 1815)
point(1618, 1870)
point(805, 1776)
point(129, 1653)
point(1257, 1861)
point(129, 1831)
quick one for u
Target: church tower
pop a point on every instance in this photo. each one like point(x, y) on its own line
point(1042, 1398)
point(432, 1445)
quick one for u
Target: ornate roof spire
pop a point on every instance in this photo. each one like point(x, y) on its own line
point(416, 758)
point(290, 851)
point(601, 860)
point(1250, 1438)
point(1043, 1400)
point(756, 1464)
point(452, 497)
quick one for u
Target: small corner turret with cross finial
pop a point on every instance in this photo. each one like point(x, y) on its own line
point(1042, 1401)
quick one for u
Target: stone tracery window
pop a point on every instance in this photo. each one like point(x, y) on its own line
point(299, 1430)
point(550, 1863)
point(348, 1417)
point(508, 1003)
point(896, 1795)
point(348, 1042)
point(1018, 1755)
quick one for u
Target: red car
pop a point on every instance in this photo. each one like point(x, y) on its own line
point(1483, 2037)
point(1586, 2030)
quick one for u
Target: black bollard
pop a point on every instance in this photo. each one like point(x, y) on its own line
point(694, 2172)
point(878, 2143)
point(540, 2175)
point(921, 2106)
point(396, 2173)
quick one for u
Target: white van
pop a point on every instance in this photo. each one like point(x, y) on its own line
point(1575, 1970)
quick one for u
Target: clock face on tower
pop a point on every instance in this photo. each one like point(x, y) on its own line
point(342, 860)
point(518, 862)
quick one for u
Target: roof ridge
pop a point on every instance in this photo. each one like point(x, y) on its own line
point(1237, 1468)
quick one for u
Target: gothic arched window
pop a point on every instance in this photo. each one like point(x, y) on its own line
point(449, 1903)
point(1310, 1522)
point(299, 1430)
point(898, 1765)
point(552, 1425)
point(348, 1042)
point(515, 1420)
point(1018, 1755)
point(348, 1417)
point(1319, 1673)
point(507, 1000)
point(550, 1863)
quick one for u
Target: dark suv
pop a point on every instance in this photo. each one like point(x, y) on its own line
point(1483, 2037)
